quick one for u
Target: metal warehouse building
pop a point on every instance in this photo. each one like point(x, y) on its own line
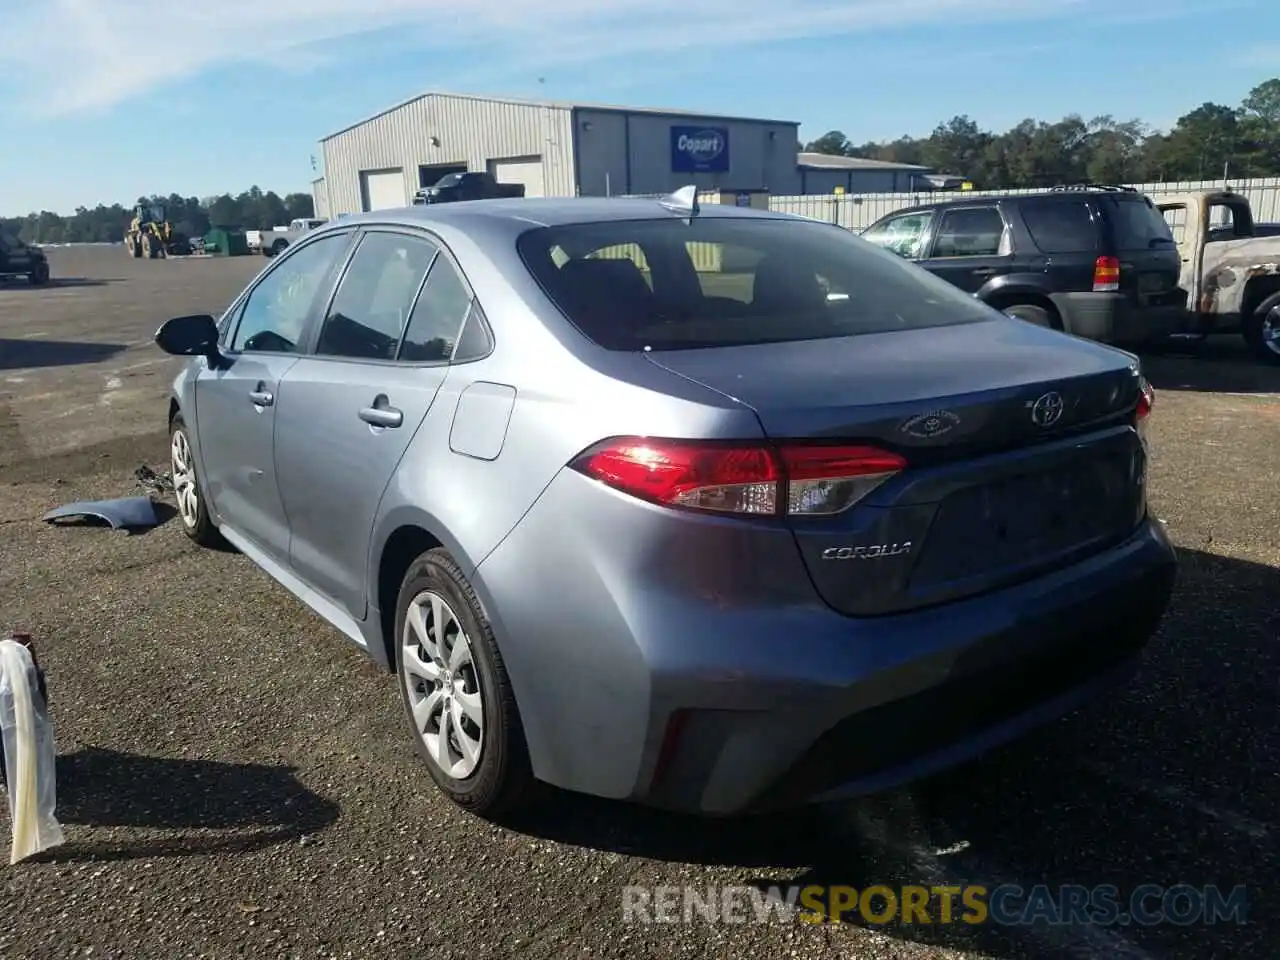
point(826, 174)
point(554, 149)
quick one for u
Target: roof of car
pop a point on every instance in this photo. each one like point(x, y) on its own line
point(546, 212)
point(965, 199)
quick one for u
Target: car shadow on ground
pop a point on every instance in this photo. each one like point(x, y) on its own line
point(30, 354)
point(1173, 780)
point(219, 807)
point(1221, 364)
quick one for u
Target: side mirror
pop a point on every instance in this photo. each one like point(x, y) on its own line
point(192, 336)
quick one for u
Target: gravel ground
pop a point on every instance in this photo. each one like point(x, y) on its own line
point(234, 780)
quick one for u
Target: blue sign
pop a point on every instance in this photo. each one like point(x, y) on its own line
point(699, 150)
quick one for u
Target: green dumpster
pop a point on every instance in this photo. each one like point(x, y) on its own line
point(227, 241)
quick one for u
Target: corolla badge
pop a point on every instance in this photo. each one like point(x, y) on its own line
point(1047, 409)
point(934, 423)
point(873, 551)
point(703, 146)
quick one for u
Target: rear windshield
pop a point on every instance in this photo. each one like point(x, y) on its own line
point(673, 285)
point(1138, 225)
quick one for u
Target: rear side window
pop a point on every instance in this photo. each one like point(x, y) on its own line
point(374, 298)
point(1138, 225)
point(665, 284)
point(1060, 226)
point(437, 317)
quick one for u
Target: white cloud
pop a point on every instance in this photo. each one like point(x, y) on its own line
point(73, 56)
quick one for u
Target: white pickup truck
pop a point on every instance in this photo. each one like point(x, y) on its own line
point(1230, 267)
point(273, 241)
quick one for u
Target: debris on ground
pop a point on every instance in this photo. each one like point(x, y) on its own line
point(125, 513)
point(150, 480)
point(30, 760)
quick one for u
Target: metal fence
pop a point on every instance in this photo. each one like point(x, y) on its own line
point(857, 211)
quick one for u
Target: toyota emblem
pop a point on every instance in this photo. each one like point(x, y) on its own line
point(1047, 410)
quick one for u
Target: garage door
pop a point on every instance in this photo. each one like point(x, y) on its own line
point(526, 170)
point(383, 189)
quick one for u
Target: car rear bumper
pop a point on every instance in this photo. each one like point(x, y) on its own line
point(1112, 317)
point(713, 681)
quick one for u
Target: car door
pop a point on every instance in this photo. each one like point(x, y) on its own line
point(351, 407)
point(236, 399)
point(970, 247)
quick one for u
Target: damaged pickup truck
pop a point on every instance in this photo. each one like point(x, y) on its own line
point(1230, 267)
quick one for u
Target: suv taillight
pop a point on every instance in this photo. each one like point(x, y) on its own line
point(740, 478)
point(1106, 275)
point(1146, 399)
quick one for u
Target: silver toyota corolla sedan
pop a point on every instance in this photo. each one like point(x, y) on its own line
point(710, 508)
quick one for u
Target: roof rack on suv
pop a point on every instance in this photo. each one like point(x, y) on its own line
point(1109, 187)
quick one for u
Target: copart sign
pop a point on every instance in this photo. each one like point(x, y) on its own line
point(699, 150)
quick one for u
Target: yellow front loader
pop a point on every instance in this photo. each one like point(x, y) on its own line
point(150, 235)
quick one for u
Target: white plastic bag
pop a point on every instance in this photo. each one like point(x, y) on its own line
point(29, 756)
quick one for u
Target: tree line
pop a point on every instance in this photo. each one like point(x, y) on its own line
point(1210, 142)
point(250, 210)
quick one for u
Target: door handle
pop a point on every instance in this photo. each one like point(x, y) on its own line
point(381, 414)
point(261, 397)
point(985, 272)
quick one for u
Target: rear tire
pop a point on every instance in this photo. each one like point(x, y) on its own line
point(1262, 330)
point(1030, 313)
point(448, 663)
point(192, 508)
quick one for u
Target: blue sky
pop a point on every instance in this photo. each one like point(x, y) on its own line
point(241, 90)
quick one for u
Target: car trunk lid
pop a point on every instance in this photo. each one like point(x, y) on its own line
point(1020, 442)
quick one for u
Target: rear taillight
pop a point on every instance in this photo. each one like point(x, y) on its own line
point(1106, 275)
point(1146, 399)
point(758, 480)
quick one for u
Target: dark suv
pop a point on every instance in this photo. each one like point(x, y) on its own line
point(1096, 261)
point(19, 260)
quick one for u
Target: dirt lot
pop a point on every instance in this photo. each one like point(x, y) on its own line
point(234, 780)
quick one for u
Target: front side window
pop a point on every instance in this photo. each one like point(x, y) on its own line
point(902, 235)
point(969, 232)
point(375, 296)
point(274, 317)
point(728, 281)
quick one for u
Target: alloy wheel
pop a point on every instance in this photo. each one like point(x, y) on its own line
point(182, 467)
point(439, 671)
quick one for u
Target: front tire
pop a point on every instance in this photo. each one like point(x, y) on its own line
point(40, 275)
point(455, 690)
point(1262, 330)
point(192, 510)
